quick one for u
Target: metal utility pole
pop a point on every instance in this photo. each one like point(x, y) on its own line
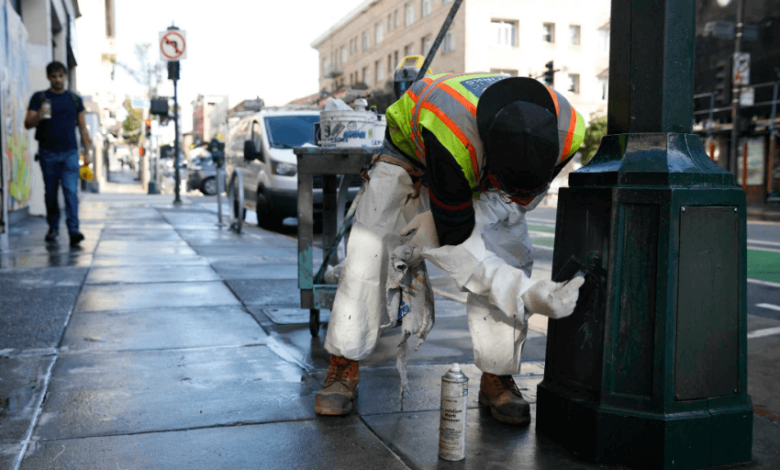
point(657, 345)
point(439, 39)
point(736, 90)
point(4, 227)
point(770, 167)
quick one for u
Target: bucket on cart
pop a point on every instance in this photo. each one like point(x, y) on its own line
point(351, 129)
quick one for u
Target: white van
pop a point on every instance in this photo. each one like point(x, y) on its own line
point(261, 146)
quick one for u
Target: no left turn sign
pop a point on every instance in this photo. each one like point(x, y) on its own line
point(173, 45)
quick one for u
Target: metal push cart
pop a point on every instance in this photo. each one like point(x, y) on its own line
point(330, 163)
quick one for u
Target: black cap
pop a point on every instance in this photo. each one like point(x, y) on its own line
point(523, 148)
point(507, 91)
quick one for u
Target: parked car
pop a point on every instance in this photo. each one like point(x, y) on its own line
point(202, 175)
point(269, 169)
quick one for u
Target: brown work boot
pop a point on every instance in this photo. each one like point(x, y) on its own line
point(340, 387)
point(503, 397)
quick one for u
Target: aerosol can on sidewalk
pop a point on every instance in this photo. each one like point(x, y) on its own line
point(452, 425)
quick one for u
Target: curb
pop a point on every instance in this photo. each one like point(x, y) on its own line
point(763, 215)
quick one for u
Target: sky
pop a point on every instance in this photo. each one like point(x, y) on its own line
point(238, 48)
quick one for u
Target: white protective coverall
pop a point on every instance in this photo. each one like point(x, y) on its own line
point(493, 265)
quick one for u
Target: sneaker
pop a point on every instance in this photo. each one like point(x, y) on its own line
point(503, 397)
point(51, 235)
point(76, 238)
point(340, 387)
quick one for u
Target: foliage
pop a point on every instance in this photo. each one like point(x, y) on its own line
point(131, 127)
point(593, 134)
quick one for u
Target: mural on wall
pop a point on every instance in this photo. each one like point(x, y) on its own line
point(14, 87)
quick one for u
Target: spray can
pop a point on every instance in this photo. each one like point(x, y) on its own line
point(452, 424)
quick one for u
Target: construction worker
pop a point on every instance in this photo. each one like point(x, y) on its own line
point(486, 148)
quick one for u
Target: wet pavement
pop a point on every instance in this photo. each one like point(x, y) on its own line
point(165, 342)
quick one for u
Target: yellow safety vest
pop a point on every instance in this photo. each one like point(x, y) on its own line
point(446, 105)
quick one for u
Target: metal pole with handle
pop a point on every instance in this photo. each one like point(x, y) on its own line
point(770, 165)
point(439, 39)
point(3, 181)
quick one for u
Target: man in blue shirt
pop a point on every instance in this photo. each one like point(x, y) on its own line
point(56, 112)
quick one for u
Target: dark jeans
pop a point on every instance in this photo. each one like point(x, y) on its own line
point(61, 166)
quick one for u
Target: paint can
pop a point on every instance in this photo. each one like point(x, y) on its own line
point(350, 129)
point(452, 423)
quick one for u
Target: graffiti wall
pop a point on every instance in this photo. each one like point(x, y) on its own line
point(14, 88)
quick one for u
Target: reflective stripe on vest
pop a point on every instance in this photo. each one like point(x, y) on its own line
point(571, 126)
point(447, 108)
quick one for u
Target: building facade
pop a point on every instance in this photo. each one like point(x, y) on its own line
point(95, 76)
point(32, 34)
point(203, 129)
point(713, 73)
point(516, 38)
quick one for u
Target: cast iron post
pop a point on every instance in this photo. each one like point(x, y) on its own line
point(650, 371)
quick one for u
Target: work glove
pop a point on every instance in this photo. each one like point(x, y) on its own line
point(553, 299)
point(418, 235)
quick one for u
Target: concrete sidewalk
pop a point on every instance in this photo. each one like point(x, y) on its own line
point(165, 342)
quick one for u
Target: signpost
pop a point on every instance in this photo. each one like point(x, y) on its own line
point(173, 48)
point(173, 44)
point(741, 72)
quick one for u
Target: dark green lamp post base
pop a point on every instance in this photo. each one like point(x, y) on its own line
point(650, 371)
point(685, 440)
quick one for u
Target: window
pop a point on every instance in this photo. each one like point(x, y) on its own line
point(378, 72)
point(389, 64)
point(574, 83)
point(325, 66)
point(604, 87)
point(408, 14)
point(395, 19)
point(378, 33)
point(343, 55)
point(604, 40)
point(449, 43)
point(574, 34)
point(365, 41)
point(505, 32)
point(427, 6)
point(395, 57)
point(426, 44)
point(389, 23)
point(444, 2)
point(408, 49)
point(548, 32)
point(366, 75)
point(507, 72)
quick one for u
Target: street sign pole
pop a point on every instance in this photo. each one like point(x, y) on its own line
point(177, 200)
point(173, 48)
point(735, 91)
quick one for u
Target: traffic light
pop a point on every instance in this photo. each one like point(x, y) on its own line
point(141, 151)
point(148, 128)
point(723, 81)
point(549, 74)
